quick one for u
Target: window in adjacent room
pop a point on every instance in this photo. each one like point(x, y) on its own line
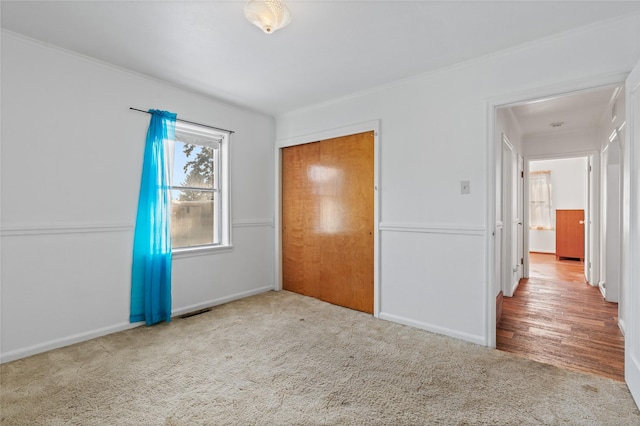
point(199, 188)
point(540, 200)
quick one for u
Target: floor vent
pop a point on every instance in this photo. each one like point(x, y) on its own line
point(194, 313)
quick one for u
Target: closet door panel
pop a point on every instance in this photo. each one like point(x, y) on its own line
point(327, 220)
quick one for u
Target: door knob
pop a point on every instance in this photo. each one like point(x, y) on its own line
point(581, 222)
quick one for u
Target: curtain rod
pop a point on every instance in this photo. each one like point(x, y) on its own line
point(190, 122)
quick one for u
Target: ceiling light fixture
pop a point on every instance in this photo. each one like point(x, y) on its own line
point(268, 15)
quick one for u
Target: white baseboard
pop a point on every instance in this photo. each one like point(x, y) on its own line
point(219, 301)
point(603, 288)
point(514, 287)
point(622, 326)
point(479, 340)
point(81, 337)
point(632, 376)
point(65, 341)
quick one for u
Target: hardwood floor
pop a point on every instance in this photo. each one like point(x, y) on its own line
point(555, 317)
point(546, 267)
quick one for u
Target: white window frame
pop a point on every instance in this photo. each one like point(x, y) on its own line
point(222, 231)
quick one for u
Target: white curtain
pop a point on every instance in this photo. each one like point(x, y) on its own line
point(540, 200)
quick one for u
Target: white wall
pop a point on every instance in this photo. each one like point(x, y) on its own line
point(71, 165)
point(433, 135)
point(568, 191)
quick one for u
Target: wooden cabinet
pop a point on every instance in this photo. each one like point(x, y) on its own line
point(570, 234)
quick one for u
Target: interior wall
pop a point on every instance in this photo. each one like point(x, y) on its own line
point(71, 165)
point(630, 276)
point(568, 191)
point(434, 135)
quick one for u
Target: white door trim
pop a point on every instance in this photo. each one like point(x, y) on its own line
point(589, 212)
point(492, 104)
point(631, 234)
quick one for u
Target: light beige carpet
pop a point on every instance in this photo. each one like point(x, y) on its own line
point(280, 359)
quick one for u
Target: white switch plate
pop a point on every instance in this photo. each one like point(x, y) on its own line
point(465, 187)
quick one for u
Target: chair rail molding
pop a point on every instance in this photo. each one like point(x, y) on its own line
point(47, 229)
point(433, 228)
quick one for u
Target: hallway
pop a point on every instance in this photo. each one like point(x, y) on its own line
point(555, 317)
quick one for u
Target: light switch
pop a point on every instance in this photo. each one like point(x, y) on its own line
point(465, 187)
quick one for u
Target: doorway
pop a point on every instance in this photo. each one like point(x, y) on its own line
point(558, 207)
point(328, 220)
point(533, 324)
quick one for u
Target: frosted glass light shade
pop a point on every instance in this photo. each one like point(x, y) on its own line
point(268, 15)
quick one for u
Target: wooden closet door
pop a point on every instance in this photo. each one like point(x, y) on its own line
point(327, 220)
point(300, 214)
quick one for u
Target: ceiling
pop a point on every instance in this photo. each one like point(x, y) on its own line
point(576, 111)
point(331, 48)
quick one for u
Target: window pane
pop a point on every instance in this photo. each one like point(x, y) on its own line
point(192, 220)
point(193, 165)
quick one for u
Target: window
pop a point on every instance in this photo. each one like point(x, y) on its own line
point(540, 200)
point(199, 188)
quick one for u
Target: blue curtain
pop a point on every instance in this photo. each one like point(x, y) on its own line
point(151, 270)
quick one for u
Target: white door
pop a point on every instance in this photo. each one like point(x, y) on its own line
point(499, 225)
point(511, 266)
point(590, 217)
point(631, 233)
point(612, 223)
point(515, 221)
point(506, 218)
point(519, 200)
